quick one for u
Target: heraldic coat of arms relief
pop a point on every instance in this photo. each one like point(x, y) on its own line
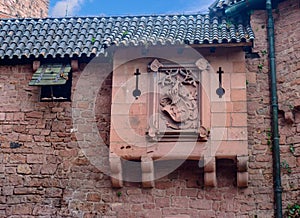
point(176, 108)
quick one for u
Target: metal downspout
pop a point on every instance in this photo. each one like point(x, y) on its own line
point(274, 101)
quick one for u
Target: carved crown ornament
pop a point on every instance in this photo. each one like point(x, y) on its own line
point(176, 97)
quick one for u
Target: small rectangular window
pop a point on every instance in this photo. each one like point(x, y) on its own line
point(55, 81)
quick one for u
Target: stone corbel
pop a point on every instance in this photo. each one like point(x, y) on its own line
point(116, 171)
point(74, 65)
point(155, 65)
point(36, 65)
point(147, 167)
point(203, 133)
point(210, 177)
point(242, 171)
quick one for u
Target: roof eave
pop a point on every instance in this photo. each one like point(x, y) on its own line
point(224, 45)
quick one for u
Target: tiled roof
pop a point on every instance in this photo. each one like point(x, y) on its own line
point(90, 36)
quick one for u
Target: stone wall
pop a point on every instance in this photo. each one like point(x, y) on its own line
point(24, 8)
point(286, 18)
point(35, 146)
point(45, 173)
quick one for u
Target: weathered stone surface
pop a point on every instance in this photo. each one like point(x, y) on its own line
point(94, 197)
point(24, 169)
point(49, 169)
point(25, 8)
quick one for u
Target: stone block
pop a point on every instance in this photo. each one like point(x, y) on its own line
point(24, 169)
point(2, 168)
point(220, 119)
point(238, 80)
point(218, 133)
point(54, 192)
point(179, 202)
point(39, 138)
point(221, 107)
point(83, 104)
point(25, 138)
point(162, 202)
point(116, 171)
point(19, 128)
point(94, 197)
point(44, 211)
point(239, 106)
point(8, 190)
point(239, 67)
point(237, 133)
point(24, 191)
point(34, 114)
point(201, 204)
point(17, 158)
point(21, 209)
point(2, 116)
point(239, 119)
point(48, 169)
point(210, 178)
point(238, 95)
point(18, 116)
point(147, 167)
point(251, 78)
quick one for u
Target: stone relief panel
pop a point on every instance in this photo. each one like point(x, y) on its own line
point(176, 110)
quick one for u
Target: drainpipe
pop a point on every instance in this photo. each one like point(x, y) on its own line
point(274, 101)
point(237, 9)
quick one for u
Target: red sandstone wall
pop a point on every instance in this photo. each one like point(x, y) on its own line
point(287, 42)
point(24, 8)
point(49, 176)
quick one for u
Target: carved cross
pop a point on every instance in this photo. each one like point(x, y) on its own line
point(137, 93)
point(220, 91)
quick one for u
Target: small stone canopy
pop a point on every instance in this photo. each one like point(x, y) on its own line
point(179, 115)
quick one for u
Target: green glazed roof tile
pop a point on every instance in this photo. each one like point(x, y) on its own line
point(51, 74)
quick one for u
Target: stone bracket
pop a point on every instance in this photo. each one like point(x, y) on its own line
point(116, 171)
point(74, 65)
point(147, 167)
point(36, 65)
point(210, 177)
point(242, 171)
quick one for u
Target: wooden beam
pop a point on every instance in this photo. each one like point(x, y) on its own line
point(223, 45)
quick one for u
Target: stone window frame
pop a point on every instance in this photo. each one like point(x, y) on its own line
point(63, 90)
point(59, 93)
